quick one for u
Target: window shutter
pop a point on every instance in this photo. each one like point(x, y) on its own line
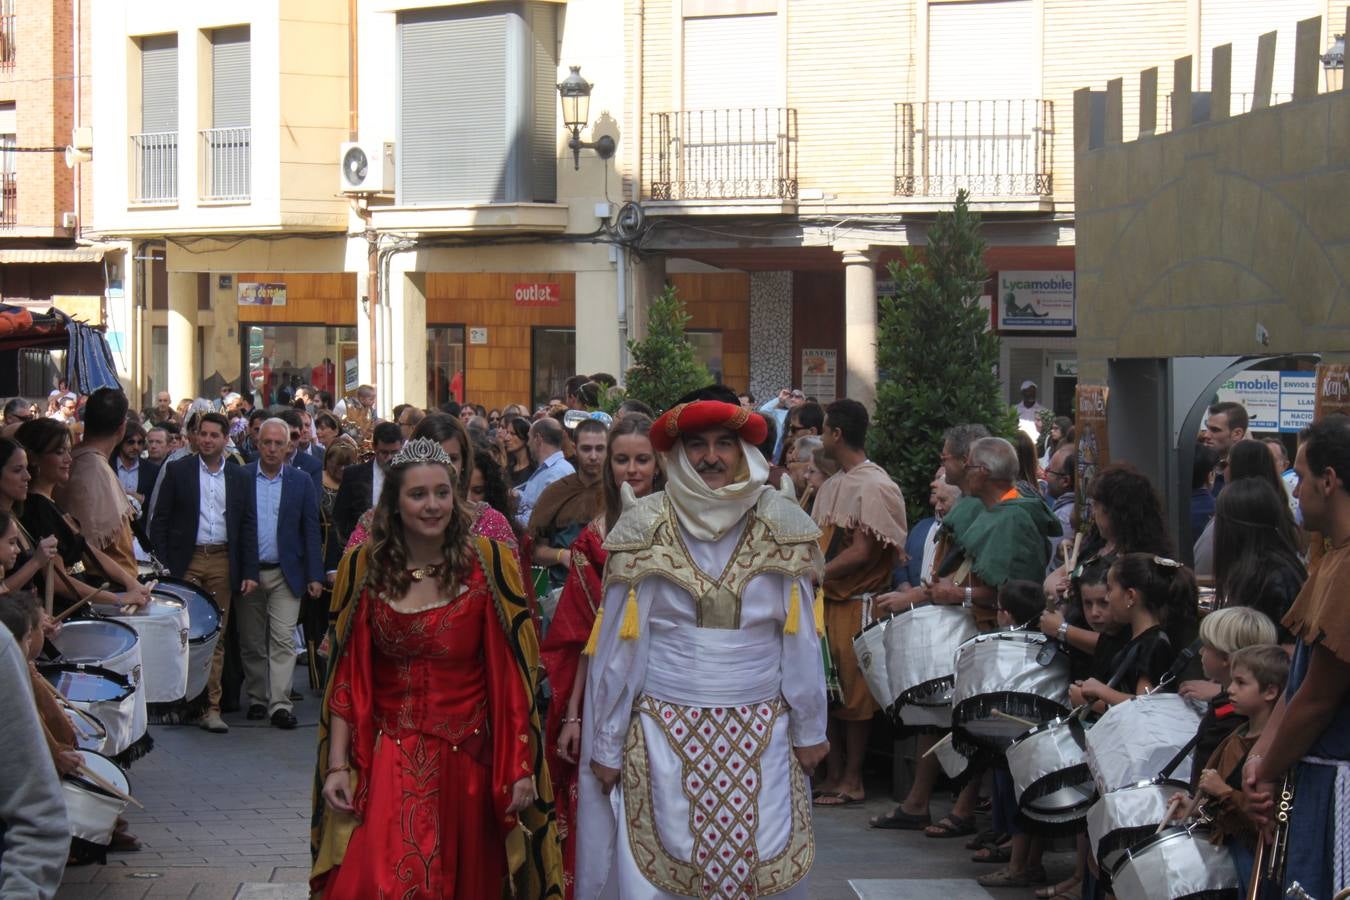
point(455, 106)
point(159, 83)
point(733, 62)
point(544, 83)
point(230, 77)
point(982, 51)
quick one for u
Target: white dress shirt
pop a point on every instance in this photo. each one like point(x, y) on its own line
point(211, 509)
point(376, 483)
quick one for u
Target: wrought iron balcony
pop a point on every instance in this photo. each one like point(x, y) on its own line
point(721, 154)
point(154, 166)
point(6, 34)
point(991, 148)
point(226, 161)
point(9, 194)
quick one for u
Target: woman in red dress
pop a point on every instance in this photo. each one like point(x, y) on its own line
point(429, 741)
point(630, 460)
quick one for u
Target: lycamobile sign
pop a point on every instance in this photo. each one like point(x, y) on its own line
point(1036, 301)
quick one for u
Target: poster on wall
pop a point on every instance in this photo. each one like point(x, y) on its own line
point(347, 351)
point(1333, 391)
point(1094, 449)
point(1036, 301)
point(1275, 401)
point(262, 293)
point(820, 374)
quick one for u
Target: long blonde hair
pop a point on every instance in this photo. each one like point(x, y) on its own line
point(389, 549)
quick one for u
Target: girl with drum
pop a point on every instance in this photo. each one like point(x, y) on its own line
point(429, 736)
point(629, 460)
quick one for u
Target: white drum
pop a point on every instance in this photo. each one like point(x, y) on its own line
point(1010, 673)
point(113, 646)
point(203, 629)
point(90, 808)
point(1134, 740)
point(925, 718)
point(1175, 863)
point(1050, 772)
point(921, 646)
point(953, 764)
point(1121, 819)
point(162, 625)
point(90, 732)
point(869, 647)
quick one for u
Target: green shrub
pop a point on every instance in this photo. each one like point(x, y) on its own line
point(664, 365)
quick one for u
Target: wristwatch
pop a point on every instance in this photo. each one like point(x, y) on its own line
point(1062, 632)
point(970, 598)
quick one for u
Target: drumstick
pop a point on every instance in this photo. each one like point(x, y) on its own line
point(80, 605)
point(1073, 557)
point(108, 785)
point(946, 739)
point(1011, 718)
point(1173, 802)
point(49, 587)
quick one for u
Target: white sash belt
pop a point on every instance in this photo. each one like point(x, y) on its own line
point(703, 667)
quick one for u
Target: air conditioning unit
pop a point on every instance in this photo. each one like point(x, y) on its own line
point(367, 167)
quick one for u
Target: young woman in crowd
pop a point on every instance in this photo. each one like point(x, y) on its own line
point(32, 555)
point(1060, 433)
point(1246, 459)
point(1256, 556)
point(630, 460)
point(515, 440)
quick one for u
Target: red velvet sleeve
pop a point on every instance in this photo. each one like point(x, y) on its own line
point(582, 595)
point(350, 696)
point(508, 712)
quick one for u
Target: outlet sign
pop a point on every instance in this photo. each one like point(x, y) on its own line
point(538, 293)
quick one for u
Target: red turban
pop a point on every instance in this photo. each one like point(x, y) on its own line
point(702, 415)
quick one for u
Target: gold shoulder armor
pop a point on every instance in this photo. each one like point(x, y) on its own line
point(788, 523)
point(636, 528)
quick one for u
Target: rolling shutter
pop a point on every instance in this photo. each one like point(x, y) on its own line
point(732, 62)
point(983, 50)
point(230, 77)
point(453, 115)
point(1241, 23)
point(544, 130)
point(159, 83)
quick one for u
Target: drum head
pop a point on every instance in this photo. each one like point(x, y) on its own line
point(203, 613)
point(103, 767)
point(86, 684)
point(93, 640)
point(90, 732)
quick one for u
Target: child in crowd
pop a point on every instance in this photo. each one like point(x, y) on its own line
point(1020, 605)
point(1222, 633)
point(1259, 673)
point(1149, 595)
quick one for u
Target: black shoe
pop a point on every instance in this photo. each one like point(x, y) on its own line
point(284, 718)
point(257, 711)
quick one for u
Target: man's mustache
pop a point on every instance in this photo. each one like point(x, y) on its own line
point(705, 465)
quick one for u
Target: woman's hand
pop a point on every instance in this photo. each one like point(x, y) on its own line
point(137, 593)
point(1057, 583)
point(569, 742)
point(1076, 697)
point(132, 600)
point(68, 762)
point(338, 790)
point(46, 549)
point(1091, 689)
point(1050, 622)
point(522, 795)
point(50, 627)
point(1199, 689)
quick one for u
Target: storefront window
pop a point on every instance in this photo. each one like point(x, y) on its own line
point(708, 349)
point(281, 358)
point(553, 360)
point(159, 364)
point(445, 365)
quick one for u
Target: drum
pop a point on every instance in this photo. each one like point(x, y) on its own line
point(90, 732)
point(1123, 818)
point(869, 646)
point(1134, 740)
point(1176, 862)
point(91, 809)
point(1050, 773)
point(1000, 675)
point(110, 645)
point(953, 764)
point(203, 629)
point(162, 625)
point(925, 718)
point(921, 647)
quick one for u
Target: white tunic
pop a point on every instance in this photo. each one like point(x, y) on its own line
point(714, 714)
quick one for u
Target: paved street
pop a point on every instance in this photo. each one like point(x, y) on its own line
point(227, 816)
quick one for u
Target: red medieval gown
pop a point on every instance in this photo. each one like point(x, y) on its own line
point(560, 653)
point(440, 727)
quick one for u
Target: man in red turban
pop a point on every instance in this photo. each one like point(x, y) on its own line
point(706, 704)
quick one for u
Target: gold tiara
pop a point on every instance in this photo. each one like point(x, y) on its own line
point(420, 451)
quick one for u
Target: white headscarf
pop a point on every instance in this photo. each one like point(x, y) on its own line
point(709, 514)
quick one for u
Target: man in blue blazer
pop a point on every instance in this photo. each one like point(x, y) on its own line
point(290, 563)
point(308, 463)
point(205, 529)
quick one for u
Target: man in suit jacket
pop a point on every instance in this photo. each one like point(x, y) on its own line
point(205, 529)
point(295, 456)
point(137, 477)
point(361, 482)
point(290, 564)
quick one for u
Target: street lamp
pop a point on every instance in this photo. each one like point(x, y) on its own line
point(1333, 64)
point(575, 92)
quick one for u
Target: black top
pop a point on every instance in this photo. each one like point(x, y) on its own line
point(42, 518)
point(520, 476)
point(1109, 645)
point(1277, 594)
point(1151, 661)
point(1219, 721)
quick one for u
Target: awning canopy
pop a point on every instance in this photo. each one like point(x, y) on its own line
point(53, 255)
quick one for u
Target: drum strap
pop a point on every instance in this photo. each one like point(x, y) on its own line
point(1175, 761)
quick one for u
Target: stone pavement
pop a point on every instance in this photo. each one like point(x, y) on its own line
point(227, 816)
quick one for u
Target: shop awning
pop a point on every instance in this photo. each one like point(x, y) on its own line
point(53, 255)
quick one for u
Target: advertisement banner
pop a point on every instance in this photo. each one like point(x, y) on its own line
point(1333, 391)
point(537, 294)
point(1036, 301)
point(1275, 401)
point(1094, 449)
point(261, 293)
point(820, 369)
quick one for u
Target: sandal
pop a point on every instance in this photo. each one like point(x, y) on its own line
point(837, 799)
point(996, 854)
point(988, 838)
point(899, 820)
point(950, 826)
point(1005, 878)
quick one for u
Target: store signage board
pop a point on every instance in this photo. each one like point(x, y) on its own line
point(820, 374)
point(1036, 301)
point(1275, 401)
point(1332, 393)
point(537, 293)
point(262, 293)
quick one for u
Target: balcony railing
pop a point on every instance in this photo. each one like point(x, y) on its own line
point(225, 163)
point(6, 33)
point(721, 154)
point(991, 148)
point(9, 200)
point(154, 166)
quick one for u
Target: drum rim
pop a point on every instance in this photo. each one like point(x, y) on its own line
point(103, 620)
point(197, 589)
point(1171, 832)
point(165, 599)
point(91, 786)
point(1074, 722)
point(1081, 805)
point(106, 674)
point(882, 620)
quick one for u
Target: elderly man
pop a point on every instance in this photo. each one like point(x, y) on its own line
point(706, 702)
point(545, 445)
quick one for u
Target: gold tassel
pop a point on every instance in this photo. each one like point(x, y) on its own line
point(594, 639)
point(794, 614)
point(628, 628)
point(818, 610)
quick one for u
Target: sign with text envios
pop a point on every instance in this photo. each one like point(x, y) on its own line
point(537, 293)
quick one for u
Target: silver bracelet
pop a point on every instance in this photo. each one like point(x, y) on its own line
point(1062, 633)
point(970, 598)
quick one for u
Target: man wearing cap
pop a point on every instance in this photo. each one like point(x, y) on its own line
point(1029, 411)
point(705, 707)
